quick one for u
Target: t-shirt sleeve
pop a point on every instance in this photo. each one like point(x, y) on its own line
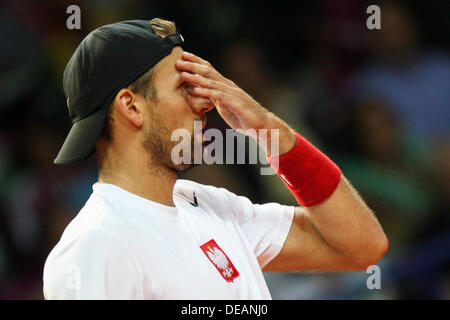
point(96, 265)
point(266, 226)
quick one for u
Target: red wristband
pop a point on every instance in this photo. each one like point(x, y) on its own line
point(308, 173)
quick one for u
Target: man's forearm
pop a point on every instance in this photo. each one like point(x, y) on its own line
point(339, 215)
point(348, 226)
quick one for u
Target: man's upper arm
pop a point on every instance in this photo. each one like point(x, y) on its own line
point(304, 249)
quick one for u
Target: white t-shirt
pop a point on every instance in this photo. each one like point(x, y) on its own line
point(122, 246)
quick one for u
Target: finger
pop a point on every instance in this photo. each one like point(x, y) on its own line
point(222, 111)
point(193, 58)
point(196, 68)
point(220, 100)
point(213, 94)
point(201, 81)
point(226, 114)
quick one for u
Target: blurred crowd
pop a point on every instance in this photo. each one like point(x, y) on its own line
point(376, 101)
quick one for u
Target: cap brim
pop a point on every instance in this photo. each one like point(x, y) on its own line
point(82, 138)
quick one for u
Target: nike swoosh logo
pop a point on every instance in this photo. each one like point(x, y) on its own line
point(195, 203)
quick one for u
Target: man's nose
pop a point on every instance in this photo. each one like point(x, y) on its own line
point(200, 105)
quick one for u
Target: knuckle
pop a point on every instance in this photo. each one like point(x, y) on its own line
point(198, 78)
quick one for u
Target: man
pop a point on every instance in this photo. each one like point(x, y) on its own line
point(143, 234)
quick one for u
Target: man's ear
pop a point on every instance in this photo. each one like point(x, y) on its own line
point(130, 106)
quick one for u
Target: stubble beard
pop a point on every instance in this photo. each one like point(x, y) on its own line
point(159, 146)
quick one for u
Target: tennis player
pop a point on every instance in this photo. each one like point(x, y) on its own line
point(144, 233)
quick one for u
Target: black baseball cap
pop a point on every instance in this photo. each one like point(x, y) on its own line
point(108, 59)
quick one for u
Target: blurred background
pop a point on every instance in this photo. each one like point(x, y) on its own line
point(376, 101)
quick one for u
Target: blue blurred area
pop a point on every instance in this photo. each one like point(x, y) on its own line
point(376, 101)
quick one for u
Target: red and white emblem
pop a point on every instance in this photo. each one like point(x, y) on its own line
point(220, 260)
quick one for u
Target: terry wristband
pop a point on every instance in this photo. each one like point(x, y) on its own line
point(308, 173)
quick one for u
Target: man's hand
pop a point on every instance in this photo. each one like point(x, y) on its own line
point(239, 110)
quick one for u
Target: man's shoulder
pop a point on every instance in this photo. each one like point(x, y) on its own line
point(90, 236)
point(95, 222)
point(88, 254)
point(91, 216)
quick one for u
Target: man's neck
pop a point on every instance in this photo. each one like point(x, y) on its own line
point(150, 181)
